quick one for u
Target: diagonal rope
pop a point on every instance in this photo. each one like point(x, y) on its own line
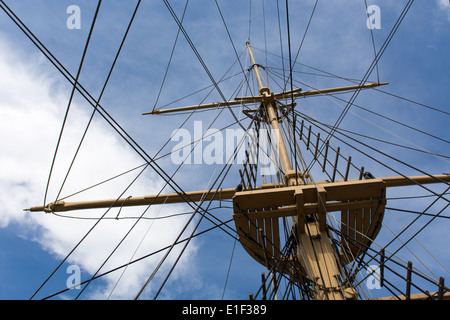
point(100, 97)
point(71, 97)
point(65, 118)
point(171, 56)
point(367, 74)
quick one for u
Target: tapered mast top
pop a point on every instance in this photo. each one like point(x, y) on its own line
point(272, 118)
point(262, 88)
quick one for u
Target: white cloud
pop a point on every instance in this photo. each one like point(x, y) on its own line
point(32, 104)
point(444, 6)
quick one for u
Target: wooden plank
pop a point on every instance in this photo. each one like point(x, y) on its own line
point(253, 226)
point(344, 224)
point(276, 237)
point(300, 210)
point(366, 221)
point(354, 190)
point(246, 238)
point(310, 208)
point(351, 229)
point(267, 198)
point(377, 213)
point(356, 200)
point(359, 230)
point(269, 237)
point(321, 206)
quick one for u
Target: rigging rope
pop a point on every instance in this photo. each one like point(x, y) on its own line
point(304, 36)
point(64, 122)
point(369, 71)
point(77, 87)
point(373, 42)
point(71, 97)
point(197, 54)
point(141, 258)
point(234, 47)
point(88, 97)
point(249, 20)
point(226, 169)
point(171, 56)
point(377, 114)
point(382, 153)
point(370, 111)
point(193, 214)
point(99, 98)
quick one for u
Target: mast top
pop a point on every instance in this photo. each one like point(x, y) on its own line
point(263, 90)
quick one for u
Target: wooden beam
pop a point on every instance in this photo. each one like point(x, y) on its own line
point(223, 194)
point(339, 89)
point(417, 296)
point(62, 206)
point(197, 107)
point(410, 181)
point(260, 98)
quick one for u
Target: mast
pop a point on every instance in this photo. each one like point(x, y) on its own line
point(314, 260)
point(318, 259)
point(269, 102)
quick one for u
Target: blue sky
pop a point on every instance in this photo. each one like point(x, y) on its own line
point(34, 96)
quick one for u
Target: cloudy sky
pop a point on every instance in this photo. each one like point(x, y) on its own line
point(34, 97)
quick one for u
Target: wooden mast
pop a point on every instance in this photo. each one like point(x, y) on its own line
point(316, 256)
point(257, 212)
point(269, 102)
